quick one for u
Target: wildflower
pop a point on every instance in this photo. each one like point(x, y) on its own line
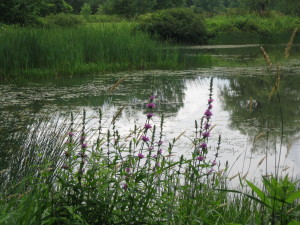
point(150, 105)
point(154, 156)
point(210, 171)
point(200, 158)
point(84, 145)
point(149, 115)
point(203, 145)
point(144, 138)
point(208, 113)
point(207, 126)
point(210, 100)
point(159, 152)
point(141, 156)
point(157, 164)
point(82, 138)
point(71, 134)
point(214, 162)
point(150, 148)
point(152, 97)
point(81, 171)
point(160, 143)
point(125, 186)
point(65, 166)
point(205, 134)
point(210, 106)
point(127, 170)
point(147, 126)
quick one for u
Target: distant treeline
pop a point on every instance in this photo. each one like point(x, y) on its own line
point(26, 11)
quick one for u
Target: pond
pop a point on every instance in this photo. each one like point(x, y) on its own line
point(259, 129)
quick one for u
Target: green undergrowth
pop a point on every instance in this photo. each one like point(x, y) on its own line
point(258, 28)
point(84, 49)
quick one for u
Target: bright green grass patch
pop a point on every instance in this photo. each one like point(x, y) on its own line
point(90, 48)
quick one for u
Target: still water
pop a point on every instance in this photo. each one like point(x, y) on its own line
point(259, 129)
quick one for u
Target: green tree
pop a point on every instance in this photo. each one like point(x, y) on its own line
point(166, 4)
point(260, 6)
point(209, 5)
point(86, 10)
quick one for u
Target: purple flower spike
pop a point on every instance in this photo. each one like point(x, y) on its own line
point(210, 100)
point(141, 156)
point(71, 134)
point(159, 152)
point(65, 166)
point(152, 98)
point(200, 158)
point(150, 105)
point(160, 143)
point(210, 106)
point(127, 170)
point(154, 156)
point(82, 155)
point(208, 113)
point(210, 171)
point(203, 145)
point(82, 138)
point(205, 134)
point(150, 148)
point(150, 115)
point(147, 126)
point(144, 138)
point(207, 126)
point(214, 163)
point(84, 145)
point(125, 186)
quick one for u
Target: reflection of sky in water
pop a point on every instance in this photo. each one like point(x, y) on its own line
point(236, 148)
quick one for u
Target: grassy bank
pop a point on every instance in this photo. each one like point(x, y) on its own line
point(85, 49)
point(228, 29)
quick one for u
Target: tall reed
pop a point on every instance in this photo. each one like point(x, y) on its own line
point(85, 49)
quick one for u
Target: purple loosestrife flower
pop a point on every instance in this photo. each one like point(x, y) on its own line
point(200, 158)
point(82, 138)
point(150, 105)
point(65, 166)
point(205, 134)
point(210, 106)
point(150, 148)
point(141, 156)
point(211, 170)
point(71, 134)
point(159, 152)
point(152, 97)
point(208, 113)
point(154, 156)
point(214, 162)
point(203, 145)
point(82, 155)
point(144, 138)
point(147, 126)
point(160, 143)
point(150, 115)
point(127, 170)
point(207, 126)
point(84, 145)
point(210, 100)
point(125, 186)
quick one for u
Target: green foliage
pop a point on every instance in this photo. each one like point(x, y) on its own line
point(86, 10)
point(62, 20)
point(251, 23)
point(180, 25)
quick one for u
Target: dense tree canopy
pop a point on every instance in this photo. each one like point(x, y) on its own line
point(26, 11)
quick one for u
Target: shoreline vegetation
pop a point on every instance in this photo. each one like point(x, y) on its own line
point(67, 45)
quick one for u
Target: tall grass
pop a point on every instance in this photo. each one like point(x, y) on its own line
point(91, 48)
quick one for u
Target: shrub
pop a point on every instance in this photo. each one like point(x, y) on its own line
point(63, 20)
point(181, 25)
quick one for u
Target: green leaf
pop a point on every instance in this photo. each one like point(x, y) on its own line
point(259, 193)
point(293, 197)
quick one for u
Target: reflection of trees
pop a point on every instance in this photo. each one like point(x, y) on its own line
point(252, 112)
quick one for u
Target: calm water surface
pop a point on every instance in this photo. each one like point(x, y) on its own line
point(247, 118)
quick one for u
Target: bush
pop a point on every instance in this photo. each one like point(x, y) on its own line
point(62, 20)
point(181, 25)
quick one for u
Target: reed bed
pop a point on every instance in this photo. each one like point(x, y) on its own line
point(85, 49)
